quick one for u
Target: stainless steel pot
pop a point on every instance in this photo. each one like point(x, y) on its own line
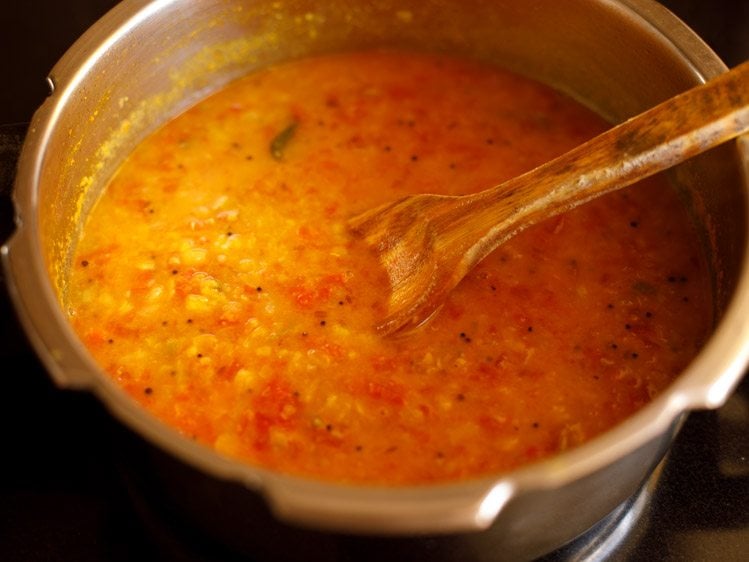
point(146, 61)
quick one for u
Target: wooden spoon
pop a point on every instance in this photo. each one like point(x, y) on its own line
point(428, 243)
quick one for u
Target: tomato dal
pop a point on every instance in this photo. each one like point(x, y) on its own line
point(216, 282)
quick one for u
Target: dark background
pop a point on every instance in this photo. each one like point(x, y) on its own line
point(61, 494)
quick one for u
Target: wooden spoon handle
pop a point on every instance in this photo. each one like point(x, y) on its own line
point(671, 132)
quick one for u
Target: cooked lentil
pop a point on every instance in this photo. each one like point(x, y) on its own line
point(223, 313)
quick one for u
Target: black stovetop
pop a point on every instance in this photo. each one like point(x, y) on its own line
point(62, 493)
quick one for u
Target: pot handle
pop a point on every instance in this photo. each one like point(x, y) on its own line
point(64, 358)
point(466, 508)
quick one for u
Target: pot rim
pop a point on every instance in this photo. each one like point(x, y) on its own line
point(446, 507)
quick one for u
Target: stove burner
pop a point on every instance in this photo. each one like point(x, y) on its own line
point(619, 530)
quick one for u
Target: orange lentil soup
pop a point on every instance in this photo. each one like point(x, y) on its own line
point(215, 280)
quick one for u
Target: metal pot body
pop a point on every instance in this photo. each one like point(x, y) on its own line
point(145, 62)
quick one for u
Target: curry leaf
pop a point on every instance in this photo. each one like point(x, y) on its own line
point(279, 142)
